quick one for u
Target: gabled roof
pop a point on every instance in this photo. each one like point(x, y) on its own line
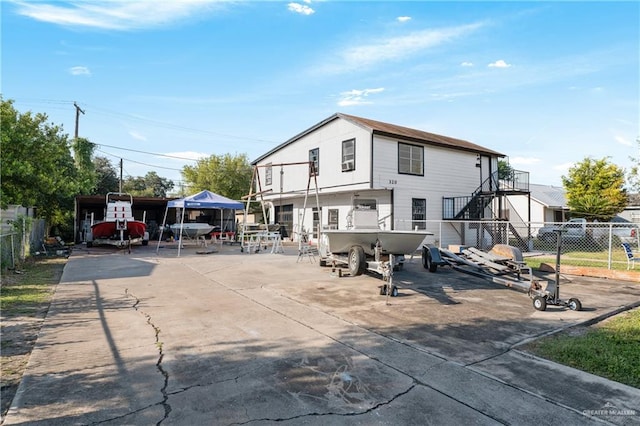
point(549, 196)
point(393, 131)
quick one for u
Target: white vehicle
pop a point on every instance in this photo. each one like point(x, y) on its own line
point(579, 229)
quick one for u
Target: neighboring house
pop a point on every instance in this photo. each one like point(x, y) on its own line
point(414, 176)
point(549, 204)
point(632, 211)
point(546, 203)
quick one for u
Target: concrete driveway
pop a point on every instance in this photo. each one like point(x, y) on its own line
point(236, 338)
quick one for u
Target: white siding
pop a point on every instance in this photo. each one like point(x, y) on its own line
point(329, 141)
point(447, 173)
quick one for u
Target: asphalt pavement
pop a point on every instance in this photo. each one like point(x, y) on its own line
point(228, 337)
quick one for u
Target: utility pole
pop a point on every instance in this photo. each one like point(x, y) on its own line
point(78, 111)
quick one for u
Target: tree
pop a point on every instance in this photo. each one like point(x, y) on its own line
point(151, 185)
point(38, 169)
point(634, 173)
point(226, 175)
point(82, 154)
point(107, 179)
point(158, 186)
point(505, 171)
point(595, 189)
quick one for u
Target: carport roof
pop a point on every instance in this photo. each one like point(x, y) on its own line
point(93, 201)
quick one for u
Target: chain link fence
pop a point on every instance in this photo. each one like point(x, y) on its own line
point(26, 238)
point(581, 243)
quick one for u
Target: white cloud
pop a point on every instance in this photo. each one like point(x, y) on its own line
point(114, 15)
point(79, 71)
point(523, 160)
point(403, 18)
point(499, 64)
point(300, 8)
point(563, 167)
point(137, 136)
point(393, 48)
point(357, 97)
point(466, 64)
point(187, 154)
point(623, 141)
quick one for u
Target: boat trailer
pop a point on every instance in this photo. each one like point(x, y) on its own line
point(503, 264)
point(357, 263)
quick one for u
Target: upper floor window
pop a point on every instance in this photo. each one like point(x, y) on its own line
point(268, 175)
point(410, 159)
point(314, 159)
point(348, 155)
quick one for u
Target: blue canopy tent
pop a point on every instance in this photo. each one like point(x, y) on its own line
point(202, 200)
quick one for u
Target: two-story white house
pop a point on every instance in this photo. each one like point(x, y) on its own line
point(413, 175)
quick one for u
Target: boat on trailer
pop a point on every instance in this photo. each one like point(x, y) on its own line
point(119, 228)
point(366, 247)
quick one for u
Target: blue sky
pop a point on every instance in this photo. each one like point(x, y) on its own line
point(546, 83)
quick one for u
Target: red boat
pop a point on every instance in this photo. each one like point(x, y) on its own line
point(119, 227)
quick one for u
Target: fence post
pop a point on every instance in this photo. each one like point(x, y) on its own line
point(610, 255)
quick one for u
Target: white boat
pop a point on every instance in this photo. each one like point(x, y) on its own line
point(192, 230)
point(390, 241)
point(365, 232)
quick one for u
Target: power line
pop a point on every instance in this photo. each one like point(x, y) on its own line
point(139, 162)
point(175, 181)
point(156, 123)
point(144, 152)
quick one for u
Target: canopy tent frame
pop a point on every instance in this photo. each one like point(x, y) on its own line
point(202, 200)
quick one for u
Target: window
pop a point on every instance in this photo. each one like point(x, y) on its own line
point(419, 213)
point(314, 158)
point(410, 159)
point(348, 155)
point(316, 222)
point(268, 175)
point(284, 215)
point(333, 219)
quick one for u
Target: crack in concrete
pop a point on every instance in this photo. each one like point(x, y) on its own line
point(215, 382)
point(330, 413)
point(165, 374)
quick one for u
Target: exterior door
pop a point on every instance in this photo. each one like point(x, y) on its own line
point(485, 173)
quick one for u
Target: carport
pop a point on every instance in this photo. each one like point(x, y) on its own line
point(89, 207)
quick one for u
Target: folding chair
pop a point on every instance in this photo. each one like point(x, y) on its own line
point(631, 256)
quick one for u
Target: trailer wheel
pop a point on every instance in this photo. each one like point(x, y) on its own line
point(540, 303)
point(145, 242)
point(357, 262)
point(89, 244)
point(385, 288)
point(427, 261)
point(575, 305)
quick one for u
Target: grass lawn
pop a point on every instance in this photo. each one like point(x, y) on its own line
point(610, 349)
point(24, 301)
